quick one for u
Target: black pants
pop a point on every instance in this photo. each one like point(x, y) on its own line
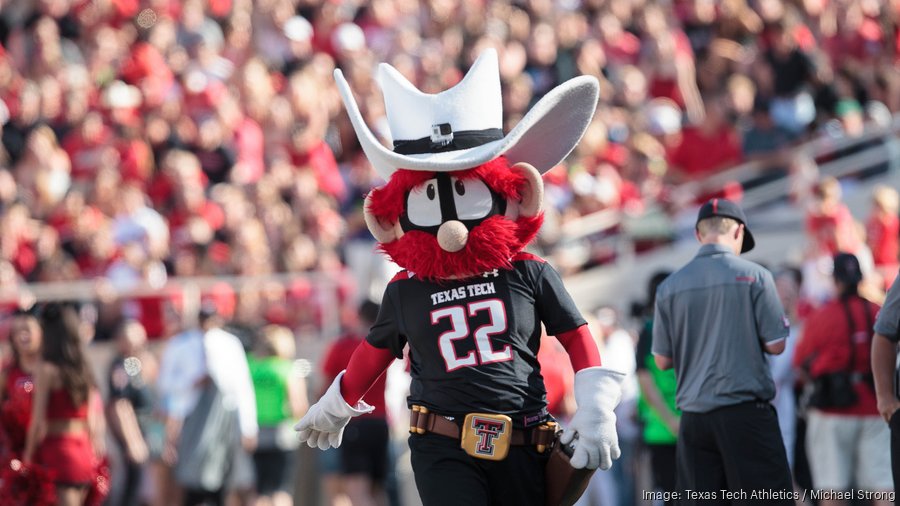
point(204, 498)
point(663, 466)
point(275, 470)
point(895, 447)
point(736, 448)
point(132, 484)
point(364, 449)
point(447, 476)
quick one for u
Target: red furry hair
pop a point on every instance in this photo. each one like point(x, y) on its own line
point(490, 245)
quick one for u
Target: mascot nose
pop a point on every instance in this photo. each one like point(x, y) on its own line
point(452, 236)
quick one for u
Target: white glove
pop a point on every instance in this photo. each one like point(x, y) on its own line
point(593, 428)
point(323, 425)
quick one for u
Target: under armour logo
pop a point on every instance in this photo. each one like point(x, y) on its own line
point(491, 274)
point(487, 431)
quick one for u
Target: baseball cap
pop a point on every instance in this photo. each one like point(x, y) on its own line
point(847, 269)
point(728, 209)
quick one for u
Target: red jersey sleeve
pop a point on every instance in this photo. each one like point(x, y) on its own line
point(581, 347)
point(367, 364)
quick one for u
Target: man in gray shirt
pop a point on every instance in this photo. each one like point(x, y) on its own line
point(715, 319)
point(884, 370)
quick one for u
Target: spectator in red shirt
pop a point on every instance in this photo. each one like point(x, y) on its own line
point(135, 157)
point(364, 450)
point(883, 232)
point(187, 199)
point(620, 45)
point(87, 145)
point(857, 38)
point(829, 222)
point(847, 442)
point(668, 62)
point(708, 147)
point(18, 238)
point(307, 145)
point(145, 67)
point(559, 378)
point(247, 139)
point(830, 229)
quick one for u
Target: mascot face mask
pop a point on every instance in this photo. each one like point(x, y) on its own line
point(461, 198)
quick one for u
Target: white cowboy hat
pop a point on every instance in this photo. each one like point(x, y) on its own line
point(462, 127)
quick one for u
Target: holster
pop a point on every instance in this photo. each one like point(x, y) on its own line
point(564, 483)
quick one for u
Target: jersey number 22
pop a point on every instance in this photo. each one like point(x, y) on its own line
point(484, 352)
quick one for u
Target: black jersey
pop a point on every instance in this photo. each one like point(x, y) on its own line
point(474, 342)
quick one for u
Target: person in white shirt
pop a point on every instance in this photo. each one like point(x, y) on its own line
point(137, 221)
point(190, 358)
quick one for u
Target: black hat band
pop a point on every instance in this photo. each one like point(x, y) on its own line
point(444, 139)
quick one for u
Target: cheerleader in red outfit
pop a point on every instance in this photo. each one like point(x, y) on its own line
point(64, 431)
point(16, 384)
point(19, 486)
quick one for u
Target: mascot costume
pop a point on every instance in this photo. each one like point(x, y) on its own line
point(460, 204)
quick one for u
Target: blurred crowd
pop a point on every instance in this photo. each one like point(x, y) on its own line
point(158, 138)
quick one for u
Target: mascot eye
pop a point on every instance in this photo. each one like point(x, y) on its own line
point(423, 205)
point(472, 198)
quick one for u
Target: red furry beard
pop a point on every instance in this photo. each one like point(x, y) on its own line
point(491, 245)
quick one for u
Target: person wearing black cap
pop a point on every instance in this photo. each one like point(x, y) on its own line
point(846, 441)
point(715, 320)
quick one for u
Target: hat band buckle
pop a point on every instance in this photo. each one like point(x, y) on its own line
point(443, 138)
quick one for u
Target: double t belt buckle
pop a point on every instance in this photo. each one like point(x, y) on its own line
point(486, 436)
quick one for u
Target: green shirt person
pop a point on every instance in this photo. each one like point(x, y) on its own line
point(280, 401)
point(656, 403)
